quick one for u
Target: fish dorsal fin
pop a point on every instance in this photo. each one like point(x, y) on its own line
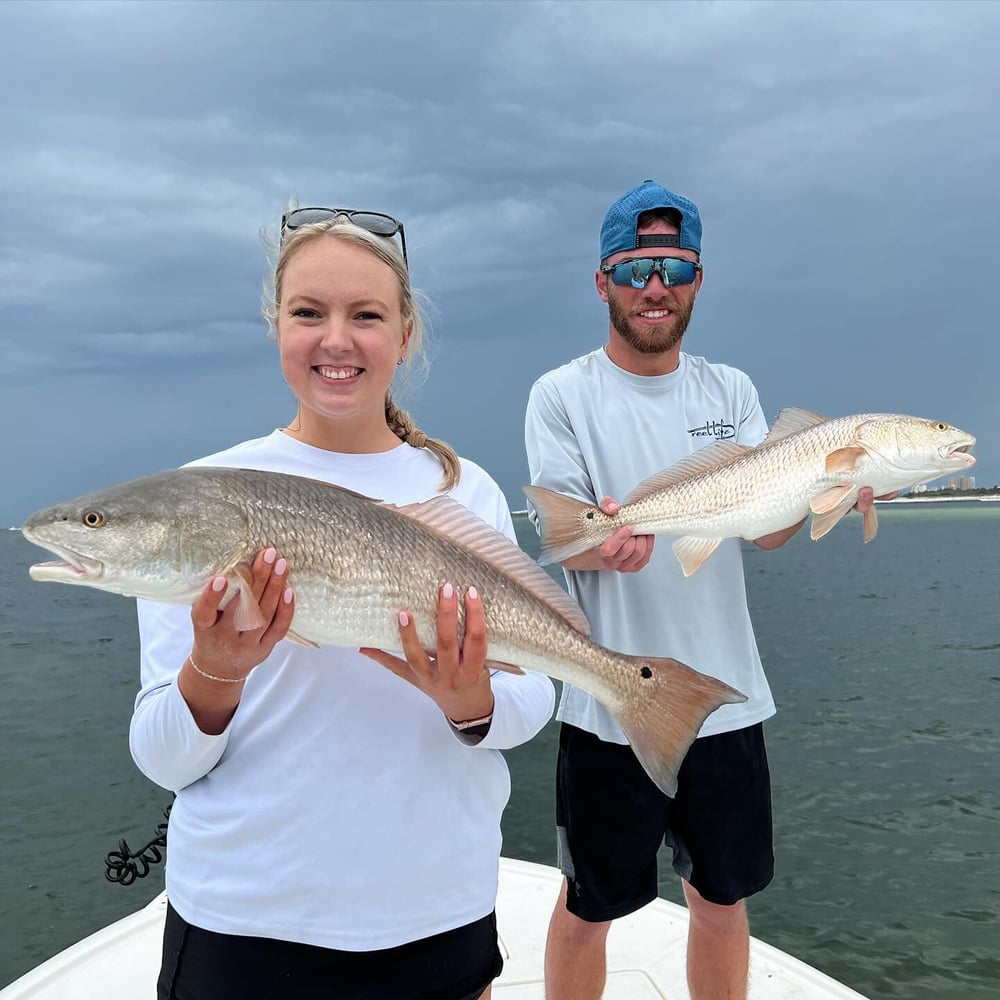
point(790, 421)
point(703, 460)
point(452, 520)
point(460, 526)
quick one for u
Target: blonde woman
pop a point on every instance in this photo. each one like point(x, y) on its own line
point(336, 830)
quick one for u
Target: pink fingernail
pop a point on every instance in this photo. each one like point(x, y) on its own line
point(447, 591)
point(269, 555)
point(281, 566)
point(404, 619)
point(287, 595)
point(219, 584)
point(473, 593)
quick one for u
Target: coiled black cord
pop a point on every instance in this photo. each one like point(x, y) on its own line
point(124, 866)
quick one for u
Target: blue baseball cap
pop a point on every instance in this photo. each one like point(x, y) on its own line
point(619, 229)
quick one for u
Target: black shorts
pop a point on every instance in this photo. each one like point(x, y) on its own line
point(611, 820)
point(203, 965)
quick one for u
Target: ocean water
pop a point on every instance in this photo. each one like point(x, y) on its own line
point(885, 755)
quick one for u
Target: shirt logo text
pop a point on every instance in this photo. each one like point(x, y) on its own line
point(718, 429)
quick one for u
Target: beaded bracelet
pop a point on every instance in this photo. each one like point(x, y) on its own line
point(213, 677)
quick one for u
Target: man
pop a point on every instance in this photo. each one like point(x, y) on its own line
point(595, 428)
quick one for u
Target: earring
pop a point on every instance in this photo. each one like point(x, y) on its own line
point(400, 361)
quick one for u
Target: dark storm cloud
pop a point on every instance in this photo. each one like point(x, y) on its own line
point(844, 156)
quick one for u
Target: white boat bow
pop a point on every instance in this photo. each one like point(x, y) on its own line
point(646, 954)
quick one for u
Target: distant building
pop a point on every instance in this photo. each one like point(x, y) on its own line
point(962, 482)
point(920, 488)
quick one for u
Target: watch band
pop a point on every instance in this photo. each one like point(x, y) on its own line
point(471, 723)
point(472, 731)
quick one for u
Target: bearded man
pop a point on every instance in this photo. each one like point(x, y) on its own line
point(595, 428)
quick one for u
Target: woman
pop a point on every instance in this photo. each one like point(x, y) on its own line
point(336, 832)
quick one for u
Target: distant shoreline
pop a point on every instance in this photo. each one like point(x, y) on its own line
point(924, 498)
point(909, 498)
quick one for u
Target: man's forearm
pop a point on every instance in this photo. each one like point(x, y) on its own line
point(777, 538)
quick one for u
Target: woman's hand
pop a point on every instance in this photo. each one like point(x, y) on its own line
point(222, 656)
point(456, 678)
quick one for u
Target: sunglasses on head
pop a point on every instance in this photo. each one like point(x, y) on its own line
point(374, 222)
point(637, 271)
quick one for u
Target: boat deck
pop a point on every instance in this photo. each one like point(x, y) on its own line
point(646, 954)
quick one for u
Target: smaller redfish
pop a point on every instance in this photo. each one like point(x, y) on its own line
point(807, 463)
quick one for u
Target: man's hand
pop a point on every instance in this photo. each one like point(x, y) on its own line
point(623, 552)
point(867, 498)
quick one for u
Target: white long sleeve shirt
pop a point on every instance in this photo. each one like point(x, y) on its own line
point(338, 808)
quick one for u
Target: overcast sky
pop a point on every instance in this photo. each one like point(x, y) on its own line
point(845, 157)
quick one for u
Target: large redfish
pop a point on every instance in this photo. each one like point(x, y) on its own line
point(806, 463)
point(354, 564)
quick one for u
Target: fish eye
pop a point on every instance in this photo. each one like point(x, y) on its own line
point(941, 427)
point(92, 518)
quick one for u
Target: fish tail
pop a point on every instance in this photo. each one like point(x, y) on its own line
point(665, 711)
point(563, 524)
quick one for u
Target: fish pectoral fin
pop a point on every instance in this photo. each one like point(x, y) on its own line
point(832, 497)
point(300, 640)
point(829, 513)
point(248, 614)
point(691, 552)
point(844, 459)
point(507, 668)
point(871, 524)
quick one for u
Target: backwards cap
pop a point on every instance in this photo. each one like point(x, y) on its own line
point(620, 224)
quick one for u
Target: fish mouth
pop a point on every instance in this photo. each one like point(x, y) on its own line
point(959, 454)
point(72, 568)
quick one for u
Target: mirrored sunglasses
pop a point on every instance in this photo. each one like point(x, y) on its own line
point(374, 222)
point(637, 271)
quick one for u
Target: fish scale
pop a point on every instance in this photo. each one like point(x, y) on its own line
point(772, 479)
point(354, 563)
point(806, 463)
point(340, 565)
